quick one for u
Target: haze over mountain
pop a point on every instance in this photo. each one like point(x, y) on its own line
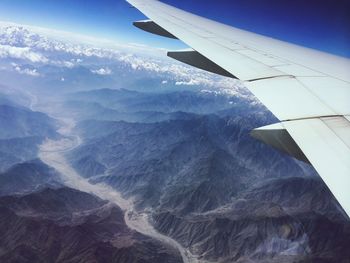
point(22, 130)
point(110, 153)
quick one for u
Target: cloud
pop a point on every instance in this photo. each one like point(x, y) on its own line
point(190, 82)
point(26, 71)
point(63, 49)
point(40, 39)
point(64, 63)
point(102, 71)
point(24, 53)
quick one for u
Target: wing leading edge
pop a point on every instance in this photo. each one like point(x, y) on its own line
point(307, 90)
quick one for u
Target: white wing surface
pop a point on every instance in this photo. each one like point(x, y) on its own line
point(307, 90)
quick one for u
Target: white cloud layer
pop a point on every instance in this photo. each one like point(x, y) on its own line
point(102, 71)
point(26, 71)
point(37, 45)
point(24, 53)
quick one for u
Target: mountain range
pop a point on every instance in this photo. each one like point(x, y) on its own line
point(82, 126)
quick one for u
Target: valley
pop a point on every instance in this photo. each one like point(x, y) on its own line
point(53, 153)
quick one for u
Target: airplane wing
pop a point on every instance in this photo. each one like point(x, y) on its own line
point(307, 90)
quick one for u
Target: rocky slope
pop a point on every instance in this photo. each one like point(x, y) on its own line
point(27, 177)
point(65, 225)
point(286, 220)
point(190, 165)
point(210, 186)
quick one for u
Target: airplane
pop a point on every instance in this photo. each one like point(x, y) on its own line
point(306, 89)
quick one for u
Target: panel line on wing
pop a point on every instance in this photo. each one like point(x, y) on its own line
point(273, 77)
point(313, 117)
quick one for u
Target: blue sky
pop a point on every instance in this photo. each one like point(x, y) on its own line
point(314, 23)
